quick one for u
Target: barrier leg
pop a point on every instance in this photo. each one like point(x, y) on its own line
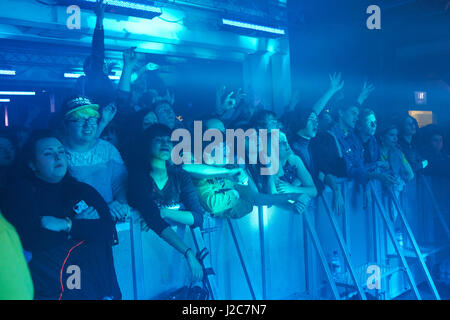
point(415, 246)
point(391, 233)
point(209, 278)
point(137, 261)
point(437, 210)
point(308, 275)
point(343, 247)
point(241, 259)
point(315, 240)
point(263, 251)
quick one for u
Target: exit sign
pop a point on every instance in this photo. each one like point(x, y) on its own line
point(420, 97)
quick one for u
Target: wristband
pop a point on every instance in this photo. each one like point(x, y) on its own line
point(186, 252)
point(69, 224)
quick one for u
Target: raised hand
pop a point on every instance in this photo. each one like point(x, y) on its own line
point(100, 11)
point(336, 82)
point(227, 104)
point(109, 112)
point(367, 89)
point(240, 95)
point(130, 58)
point(169, 96)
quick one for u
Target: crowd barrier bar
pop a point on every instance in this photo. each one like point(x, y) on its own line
point(241, 259)
point(263, 251)
point(209, 275)
point(391, 233)
point(415, 245)
point(137, 264)
point(437, 210)
point(137, 261)
point(343, 246)
point(315, 239)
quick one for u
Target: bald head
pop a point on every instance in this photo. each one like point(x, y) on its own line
point(214, 124)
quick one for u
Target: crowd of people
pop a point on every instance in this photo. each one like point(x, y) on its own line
point(108, 152)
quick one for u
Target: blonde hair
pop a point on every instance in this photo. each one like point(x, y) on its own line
point(83, 113)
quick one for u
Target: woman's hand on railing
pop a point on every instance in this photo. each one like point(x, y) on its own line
point(285, 187)
point(119, 211)
point(195, 267)
point(302, 203)
point(388, 180)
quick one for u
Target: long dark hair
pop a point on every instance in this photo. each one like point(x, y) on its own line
point(155, 130)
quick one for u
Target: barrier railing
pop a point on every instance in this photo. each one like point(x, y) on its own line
point(265, 254)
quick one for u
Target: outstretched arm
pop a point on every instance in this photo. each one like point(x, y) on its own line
point(129, 62)
point(98, 40)
point(336, 84)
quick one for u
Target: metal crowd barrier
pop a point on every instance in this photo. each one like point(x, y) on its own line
point(274, 253)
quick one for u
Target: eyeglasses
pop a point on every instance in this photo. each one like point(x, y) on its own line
point(372, 124)
point(82, 122)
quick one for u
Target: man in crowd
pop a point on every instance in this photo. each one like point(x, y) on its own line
point(92, 160)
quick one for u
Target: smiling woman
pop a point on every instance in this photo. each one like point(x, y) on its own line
point(164, 195)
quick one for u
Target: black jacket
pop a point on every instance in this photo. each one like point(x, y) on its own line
point(148, 199)
point(88, 245)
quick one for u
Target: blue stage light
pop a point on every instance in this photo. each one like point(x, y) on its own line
point(17, 93)
point(8, 72)
point(72, 75)
point(129, 5)
point(136, 8)
point(251, 26)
